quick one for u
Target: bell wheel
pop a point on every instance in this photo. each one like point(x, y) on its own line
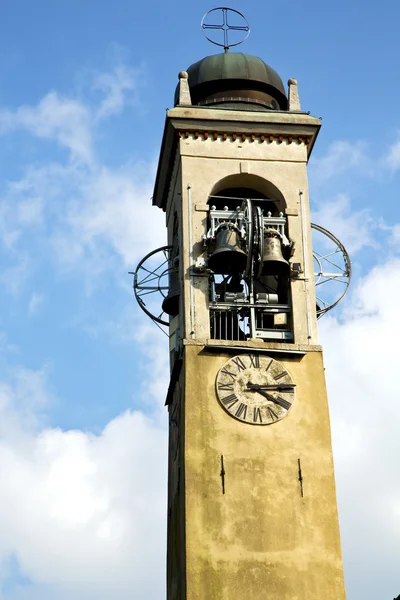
point(151, 283)
point(332, 269)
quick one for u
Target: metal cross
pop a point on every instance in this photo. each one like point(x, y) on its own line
point(225, 27)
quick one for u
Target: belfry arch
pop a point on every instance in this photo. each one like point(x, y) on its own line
point(247, 252)
point(245, 185)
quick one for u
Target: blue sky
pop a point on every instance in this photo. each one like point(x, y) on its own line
point(83, 373)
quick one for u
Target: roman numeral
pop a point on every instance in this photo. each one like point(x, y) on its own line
point(226, 386)
point(226, 372)
point(239, 363)
point(281, 375)
point(257, 415)
point(282, 402)
point(269, 364)
point(241, 411)
point(254, 360)
point(272, 414)
point(230, 400)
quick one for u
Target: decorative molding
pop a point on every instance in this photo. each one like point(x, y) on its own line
point(244, 137)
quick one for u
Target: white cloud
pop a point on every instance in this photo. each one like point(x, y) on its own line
point(15, 217)
point(341, 156)
point(21, 216)
point(57, 118)
point(395, 238)
point(356, 229)
point(30, 211)
point(6, 347)
point(392, 157)
point(132, 327)
point(155, 353)
point(115, 87)
point(23, 398)
point(84, 514)
point(35, 303)
point(79, 213)
point(69, 120)
point(361, 359)
point(114, 209)
point(14, 277)
point(97, 219)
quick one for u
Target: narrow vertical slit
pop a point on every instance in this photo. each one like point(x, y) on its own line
point(222, 474)
point(300, 478)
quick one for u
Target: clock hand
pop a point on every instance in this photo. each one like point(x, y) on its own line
point(280, 387)
point(278, 400)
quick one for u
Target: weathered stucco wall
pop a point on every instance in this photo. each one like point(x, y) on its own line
point(261, 539)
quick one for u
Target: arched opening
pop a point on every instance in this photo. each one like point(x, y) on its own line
point(248, 260)
point(244, 185)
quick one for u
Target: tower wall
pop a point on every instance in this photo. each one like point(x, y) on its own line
point(267, 527)
point(261, 538)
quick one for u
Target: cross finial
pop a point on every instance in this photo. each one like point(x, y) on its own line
point(227, 17)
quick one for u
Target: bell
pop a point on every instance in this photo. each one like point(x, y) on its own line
point(170, 303)
point(273, 261)
point(228, 256)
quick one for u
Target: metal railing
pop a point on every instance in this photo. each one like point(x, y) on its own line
point(231, 324)
point(245, 322)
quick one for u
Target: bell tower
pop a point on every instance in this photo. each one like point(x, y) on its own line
point(252, 507)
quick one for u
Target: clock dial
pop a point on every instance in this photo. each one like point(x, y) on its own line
point(255, 389)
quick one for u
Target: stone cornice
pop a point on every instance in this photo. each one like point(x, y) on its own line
point(233, 136)
point(218, 124)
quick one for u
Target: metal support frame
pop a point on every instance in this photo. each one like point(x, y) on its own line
point(252, 225)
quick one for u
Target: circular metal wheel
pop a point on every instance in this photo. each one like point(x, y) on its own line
point(238, 23)
point(332, 269)
point(150, 283)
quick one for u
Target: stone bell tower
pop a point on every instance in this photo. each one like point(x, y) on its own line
point(251, 493)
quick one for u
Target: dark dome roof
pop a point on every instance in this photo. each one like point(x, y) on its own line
point(236, 78)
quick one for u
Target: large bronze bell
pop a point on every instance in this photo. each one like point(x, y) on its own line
point(273, 261)
point(170, 303)
point(228, 257)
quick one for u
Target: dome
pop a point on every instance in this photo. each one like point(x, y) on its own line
point(235, 80)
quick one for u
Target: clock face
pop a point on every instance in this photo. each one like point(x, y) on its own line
point(255, 389)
